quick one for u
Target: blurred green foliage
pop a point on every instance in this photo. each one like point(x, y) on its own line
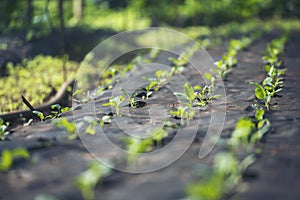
point(36, 79)
point(129, 14)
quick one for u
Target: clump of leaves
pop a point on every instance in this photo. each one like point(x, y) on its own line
point(3, 129)
point(70, 127)
point(132, 102)
point(183, 113)
point(273, 83)
point(115, 102)
point(248, 131)
point(8, 156)
point(135, 146)
point(177, 64)
point(56, 111)
point(198, 95)
point(87, 180)
point(158, 134)
point(162, 76)
point(223, 177)
point(224, 66)
point(92, 122)
point(106, 119)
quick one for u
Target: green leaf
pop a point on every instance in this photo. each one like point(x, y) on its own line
point(88, 179)
point(39, 114)
point(225, 163)
point(6, 160)
point(260, 92)
point(259, 114)
point(242, 131)
point(20, 152)
point(56, 106)
point(189, 92)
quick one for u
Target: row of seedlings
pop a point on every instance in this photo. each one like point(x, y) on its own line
point(240, 150)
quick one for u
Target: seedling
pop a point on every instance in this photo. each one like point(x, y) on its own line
point(183, 113)
point(135, 146)
point(3, 129)
point(177, 64)
point(132, 102)
point(262, 94)
point(87, 180)
point(56, 111)
point(158, 135)
point(189, 94)
point(262, 125)
point(222, 69)
point(210, 78)
point(91, 125)
point(8, 156)
point(115, 102)
point(149, 88)
point(242, 132)
point(39, 114)
point(204, 95)
point(107, 119)
point(162, 76)
point(70, 127)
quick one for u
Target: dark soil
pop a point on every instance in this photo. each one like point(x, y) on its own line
point(56, 161)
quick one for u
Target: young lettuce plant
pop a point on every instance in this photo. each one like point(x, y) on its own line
point(262, 94)
point(8, 156)
point(3, 129)
point(115, 102)
point(183, 113)
point(70, 127)
point(87, 180)
point(132, 102)
point(158, 135)
point(262, 126)
point(135, 146)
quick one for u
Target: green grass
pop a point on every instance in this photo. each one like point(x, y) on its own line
point(36, 79)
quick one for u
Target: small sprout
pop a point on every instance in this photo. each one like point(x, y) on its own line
point(56, 111)
point(135, 146)
point(92, 122)
point(149, 88)
point(211, 188)
point(116, 102)
point(183, 113)
point(241, 134)
point(39, 114)
point(132, 102)
point(226, 164)
point(210, 78)
point(87, 180)
point(3, 129)
point(189, 93)
point(158, 135)
point(107, 119)
point(259, 114)
point(8, 156)
point(70, 127)
point(65, 109)
point(262, 94)
point(177, 65)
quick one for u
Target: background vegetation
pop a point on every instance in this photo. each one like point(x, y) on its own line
point(61, 29)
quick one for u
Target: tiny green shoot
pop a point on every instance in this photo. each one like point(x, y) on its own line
point(87, 180)
point(115, 102)
point(8, 156)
